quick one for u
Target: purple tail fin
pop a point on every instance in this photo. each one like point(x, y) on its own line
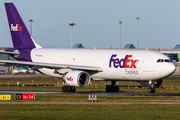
point(19, 33)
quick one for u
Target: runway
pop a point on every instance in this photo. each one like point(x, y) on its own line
point(93, 92)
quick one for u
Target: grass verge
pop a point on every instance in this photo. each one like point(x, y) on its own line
point(89, 112)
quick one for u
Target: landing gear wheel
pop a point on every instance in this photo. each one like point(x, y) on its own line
point(112, 87)
point(152, 90)
point(108, 88)
point(63, 88)
point(73, 89)
point(116, 89)
point(68, 89)
point(151, 87)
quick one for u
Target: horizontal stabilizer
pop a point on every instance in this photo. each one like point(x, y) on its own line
point(9, 53)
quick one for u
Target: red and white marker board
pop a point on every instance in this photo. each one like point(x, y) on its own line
point(25, 96)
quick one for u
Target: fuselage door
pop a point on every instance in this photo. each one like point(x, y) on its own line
point(145, 60)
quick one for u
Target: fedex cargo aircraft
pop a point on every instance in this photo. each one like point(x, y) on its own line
point(78, 66)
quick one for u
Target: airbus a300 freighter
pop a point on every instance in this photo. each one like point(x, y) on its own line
point(78, 66)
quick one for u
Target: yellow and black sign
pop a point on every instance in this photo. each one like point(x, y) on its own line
point(18, 96)
point(5, 97)
point(25, 96)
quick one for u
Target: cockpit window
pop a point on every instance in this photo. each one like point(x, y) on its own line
point(159, 60)
point(164, 60)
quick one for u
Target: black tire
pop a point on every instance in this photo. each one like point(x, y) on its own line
point(63, 88)
point(73, 89)
point(150, 90)
point(153, 90)
point(68, 89)
point(108, 88)
point(112, 89)
point(116, 88)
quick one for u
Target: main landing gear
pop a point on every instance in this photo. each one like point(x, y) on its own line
point(68, 89)
point(151, 87)
point(112, 87)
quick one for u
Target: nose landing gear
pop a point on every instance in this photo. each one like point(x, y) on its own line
point(151, 87)
point(151, 90)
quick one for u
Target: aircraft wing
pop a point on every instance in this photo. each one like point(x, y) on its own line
point(52, 65)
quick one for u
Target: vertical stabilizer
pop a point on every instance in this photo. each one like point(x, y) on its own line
point(19, 33)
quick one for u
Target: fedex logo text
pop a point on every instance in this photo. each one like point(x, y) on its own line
point(123, 63)
point(16, 28)
point(70, 78)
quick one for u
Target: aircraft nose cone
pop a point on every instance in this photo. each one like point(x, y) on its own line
point(172, 68)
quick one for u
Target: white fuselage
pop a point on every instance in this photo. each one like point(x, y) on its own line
point(135, 65)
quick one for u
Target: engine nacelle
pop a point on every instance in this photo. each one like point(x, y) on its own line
point(157, 83)
point(77, 78)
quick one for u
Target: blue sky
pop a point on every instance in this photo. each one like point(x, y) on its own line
point(97, 22)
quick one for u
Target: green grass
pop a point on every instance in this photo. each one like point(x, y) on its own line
point(89, 112)
point(100, 98)
point(95, 86)
point(171, 85)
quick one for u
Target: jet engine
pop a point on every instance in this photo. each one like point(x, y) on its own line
point(77, 78)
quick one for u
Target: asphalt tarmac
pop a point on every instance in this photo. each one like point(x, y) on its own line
point(93, 92)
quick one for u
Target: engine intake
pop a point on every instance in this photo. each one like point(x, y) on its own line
point(77, 78)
